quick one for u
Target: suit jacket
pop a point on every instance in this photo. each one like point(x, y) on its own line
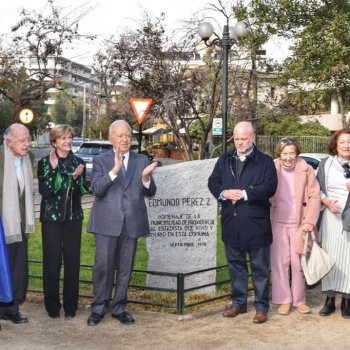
point(246, 224)
point(121, 201)
point(307, 199)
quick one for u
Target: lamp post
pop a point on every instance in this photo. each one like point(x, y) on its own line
point(86, 108)
point(230, 37)
point(83, 129)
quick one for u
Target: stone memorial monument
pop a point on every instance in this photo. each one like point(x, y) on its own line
point(183, 221)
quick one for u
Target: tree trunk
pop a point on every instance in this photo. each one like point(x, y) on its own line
point(203, 145)
point(340, 98)
point(187, 153)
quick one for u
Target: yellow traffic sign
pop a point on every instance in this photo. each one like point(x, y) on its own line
point(26, 115)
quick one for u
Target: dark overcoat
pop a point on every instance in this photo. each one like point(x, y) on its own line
point(245, 224)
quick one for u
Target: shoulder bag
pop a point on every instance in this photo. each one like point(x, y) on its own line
point(317, 263)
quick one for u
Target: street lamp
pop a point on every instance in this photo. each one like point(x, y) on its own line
point(83, 129)
point(86, 109)
point(230, 37)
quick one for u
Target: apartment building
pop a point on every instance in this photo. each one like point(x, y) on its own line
point(76, 79)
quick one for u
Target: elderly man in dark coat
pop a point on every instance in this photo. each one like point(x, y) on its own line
point(243, 181)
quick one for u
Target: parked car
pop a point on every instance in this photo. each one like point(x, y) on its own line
point(313, 159)
point(90, 149)
point(77, 141)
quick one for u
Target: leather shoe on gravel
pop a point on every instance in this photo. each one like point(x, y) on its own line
point(234, 311)
point(345, 308)
point(70, 315)
point(17, 319)
point(124, 318)
point(94, 319)
point(304, 309)
point(260, 317)
point(329, 307)
point(284, 309)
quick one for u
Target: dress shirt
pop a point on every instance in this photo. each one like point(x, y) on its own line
point(19, 172)
point(126, 161)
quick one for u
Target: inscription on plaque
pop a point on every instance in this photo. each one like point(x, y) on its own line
point(183, 221)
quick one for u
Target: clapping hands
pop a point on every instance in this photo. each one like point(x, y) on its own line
point(118, 162)
point(54, 164)
point(148, 171)
point(53, 158)
point(78, 171)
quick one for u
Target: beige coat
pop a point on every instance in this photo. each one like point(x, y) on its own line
point(307, 196)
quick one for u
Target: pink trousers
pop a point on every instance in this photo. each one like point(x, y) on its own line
point(282, 257)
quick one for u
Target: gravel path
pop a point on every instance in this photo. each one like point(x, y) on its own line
point(206, 330)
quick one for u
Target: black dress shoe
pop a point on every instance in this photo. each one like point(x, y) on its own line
point(124, 318)
point(69, 315)
point(94, 319)
point(345, 308)
point(54, 314)
point(17, 318)
point(329, 307)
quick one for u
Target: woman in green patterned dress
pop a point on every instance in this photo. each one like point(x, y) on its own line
point(61, 185)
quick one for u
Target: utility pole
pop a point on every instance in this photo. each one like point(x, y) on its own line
point(83, 129)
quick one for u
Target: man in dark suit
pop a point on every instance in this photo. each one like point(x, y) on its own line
point(120, 181)
point(17, 211)
point(243, 181)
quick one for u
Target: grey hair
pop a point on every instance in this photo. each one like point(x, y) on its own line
point(9, 131)
point(245, 124)
point(119, 122)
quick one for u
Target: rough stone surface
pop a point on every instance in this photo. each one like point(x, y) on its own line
point(183, 220)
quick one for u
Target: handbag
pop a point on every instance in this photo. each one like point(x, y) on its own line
point(317, 263)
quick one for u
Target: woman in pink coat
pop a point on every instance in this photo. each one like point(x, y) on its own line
point(294, 211)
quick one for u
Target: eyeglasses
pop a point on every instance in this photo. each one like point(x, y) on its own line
point(287, 141)
point(346, 167)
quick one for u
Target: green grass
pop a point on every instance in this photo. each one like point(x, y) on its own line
point(141, 258)
point(87, 258)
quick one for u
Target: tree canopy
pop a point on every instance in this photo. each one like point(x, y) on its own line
point(38, 40)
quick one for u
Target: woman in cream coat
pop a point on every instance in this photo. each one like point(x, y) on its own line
point(295, 210)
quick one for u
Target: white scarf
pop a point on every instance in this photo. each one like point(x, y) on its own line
point(10, 201)
point(243, 156)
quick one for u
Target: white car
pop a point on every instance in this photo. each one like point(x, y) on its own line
point(77, 141)
point(313, 159)
point(90, 149)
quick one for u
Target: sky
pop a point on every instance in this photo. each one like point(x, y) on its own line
point(109, 17)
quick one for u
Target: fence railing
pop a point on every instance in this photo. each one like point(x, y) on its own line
point(308, 144)
point(180, 291)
